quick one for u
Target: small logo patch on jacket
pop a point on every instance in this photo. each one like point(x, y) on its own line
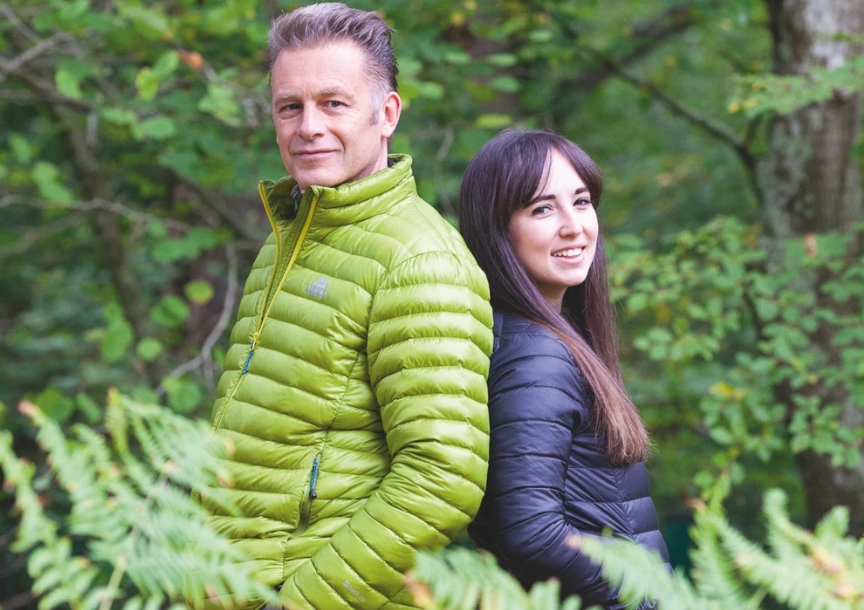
point(317, 288)
point(353, 591)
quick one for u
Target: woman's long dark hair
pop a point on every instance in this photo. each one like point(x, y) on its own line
point(503, 178)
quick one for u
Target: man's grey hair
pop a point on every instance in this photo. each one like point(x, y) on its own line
point(329, 22)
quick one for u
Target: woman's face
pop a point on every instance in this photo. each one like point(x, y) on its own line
point(555, 236)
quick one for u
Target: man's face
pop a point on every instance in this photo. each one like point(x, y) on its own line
point(327, 127)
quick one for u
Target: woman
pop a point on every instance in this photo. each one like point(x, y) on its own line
point(567, 444)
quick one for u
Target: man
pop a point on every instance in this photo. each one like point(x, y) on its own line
point(354, 391)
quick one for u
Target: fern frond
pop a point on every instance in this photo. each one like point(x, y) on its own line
point(833, 525)
point(715, 574)
point(639, 575)
point(807, 571)
point(461, 579)
point(35, 528)
point(148, 542)
point(823, 570)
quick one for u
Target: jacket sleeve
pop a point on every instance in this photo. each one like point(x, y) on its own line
point(537, 400)
point(428, 352)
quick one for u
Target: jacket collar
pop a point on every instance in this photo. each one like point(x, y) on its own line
point(346, 203)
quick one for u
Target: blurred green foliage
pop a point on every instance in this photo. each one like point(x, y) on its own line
point(132, 136)
point(133, 534)
point(801, 570)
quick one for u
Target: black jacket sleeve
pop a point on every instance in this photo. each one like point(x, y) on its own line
point(537, 401)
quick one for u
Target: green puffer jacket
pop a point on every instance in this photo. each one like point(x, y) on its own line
point(354, 393)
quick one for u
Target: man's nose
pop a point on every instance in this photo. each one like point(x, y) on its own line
point(311, 123)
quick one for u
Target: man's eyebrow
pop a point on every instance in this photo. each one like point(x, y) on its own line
point(332, 92)
point(281, 96)
point(547, 197)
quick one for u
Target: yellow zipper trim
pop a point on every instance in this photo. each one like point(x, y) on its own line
point(266, 306)
point(300, 237)
point(266, 201)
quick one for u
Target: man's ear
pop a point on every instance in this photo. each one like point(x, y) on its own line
point(391, 110)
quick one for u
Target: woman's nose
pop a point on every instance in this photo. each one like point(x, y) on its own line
point(571, 224)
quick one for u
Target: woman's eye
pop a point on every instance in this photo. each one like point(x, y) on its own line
point(540, 209)
point(582, 202)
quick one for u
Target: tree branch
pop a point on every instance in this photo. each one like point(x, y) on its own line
point(216, 202)
point(96, 204)
point(44, 86)
point(644, 37)
point(33, 235)
point(7, 12)
point(94, 185)
point(205, 357)
point(24, 599)
point(716, 129)
point(12, 66)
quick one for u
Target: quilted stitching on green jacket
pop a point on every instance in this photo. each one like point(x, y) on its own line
point(359, 428)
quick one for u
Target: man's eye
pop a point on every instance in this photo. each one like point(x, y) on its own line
point(334, 103)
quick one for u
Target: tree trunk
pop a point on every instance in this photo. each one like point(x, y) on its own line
point(812, 185)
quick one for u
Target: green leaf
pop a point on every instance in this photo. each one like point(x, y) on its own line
point(541, 36)
point(502, 60)
point(47, 178)
point(170, 312)
point(637, 302)
point(166, 64)
point(457, 58)
point(188, 246)
point(721, 436)
point(149, 21)
point(199, 291)
point(55, 404)
point(221, 103)
point(157, 229)
point(171, 250)
point(68, 84)
point(147, 83)
point(156, 128)
point(73, 9)
point(145, 395)
point(507, 84)
point(408, 67)
point(493, 121)
point(89, 407)
point(118, 336)
point(149, 349)
point(118, 116)
point(431, 90)
point(183, 396)
point(22, 150)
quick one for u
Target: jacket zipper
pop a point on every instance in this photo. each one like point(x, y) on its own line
point(271, 288)
point(306, 503)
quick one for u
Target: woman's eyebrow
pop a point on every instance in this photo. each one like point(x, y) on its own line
point(547, 197)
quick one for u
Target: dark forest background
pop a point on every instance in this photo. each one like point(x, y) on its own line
point(133, 134)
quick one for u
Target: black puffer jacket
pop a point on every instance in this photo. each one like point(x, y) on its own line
point(549, 478)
